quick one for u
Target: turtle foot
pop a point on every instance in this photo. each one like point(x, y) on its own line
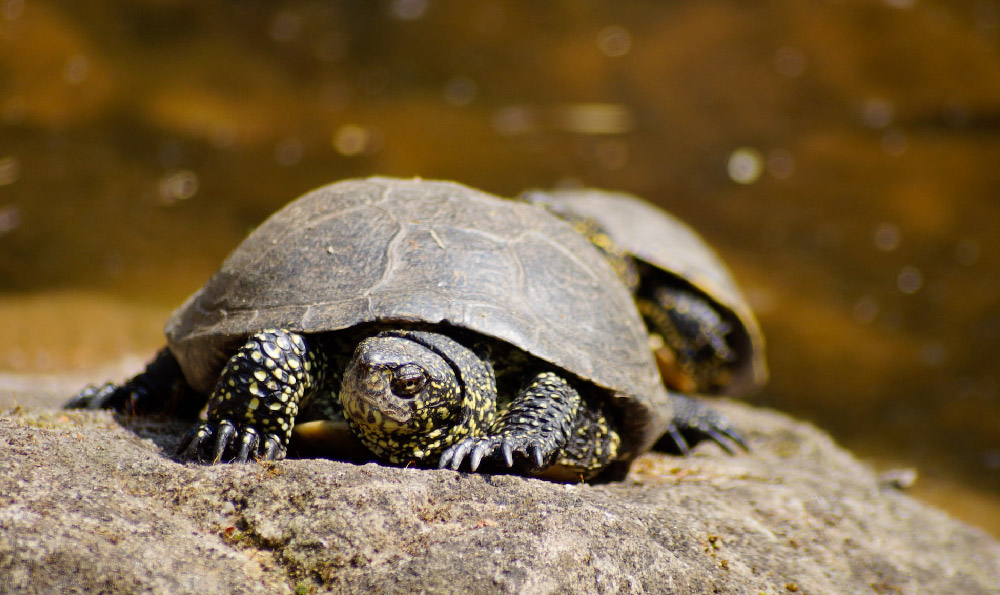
point(533, 449)
point(224, 442)
point(159, 389)
point(694, 421)
point(117, 397)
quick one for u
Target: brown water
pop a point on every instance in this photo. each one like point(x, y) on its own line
point(844, 156)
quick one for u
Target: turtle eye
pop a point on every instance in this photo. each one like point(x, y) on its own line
point(408, 380)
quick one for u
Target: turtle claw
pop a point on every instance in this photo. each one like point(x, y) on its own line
point(694, 421)
point(539, 458)
point(725, 438)
point(116, 397)
point(91, 397)
point(246, 442)
point(508, 453)
point(679, 441)
point(190, 447)
point(453, 456)
point(223, 438)
point(273, 450)
point(480, 451)
point(718, 429)
point(476, 449)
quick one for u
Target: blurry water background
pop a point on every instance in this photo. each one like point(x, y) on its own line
point(843, 155)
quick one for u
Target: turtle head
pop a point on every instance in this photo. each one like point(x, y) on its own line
point(404, 397)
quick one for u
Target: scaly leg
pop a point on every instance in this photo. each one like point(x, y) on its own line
point(253, 407)
point(693, 331)
point(159, 389)
point(695, 421)
point(546, 423)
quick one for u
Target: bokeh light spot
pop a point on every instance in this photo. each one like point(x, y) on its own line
point(408, 10)
point(614, 41)
point(780, 164)
point(745, 165)
point(289, 151)
point(351, 140)
point(877, 112)
point(514, 120)
point(460, 90)
point(178, 186)
point(909, 280)
point(894, 142)
point(76, 70)
point(887, 237)
point(285, 26)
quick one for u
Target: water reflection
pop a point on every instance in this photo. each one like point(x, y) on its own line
point(841, 155)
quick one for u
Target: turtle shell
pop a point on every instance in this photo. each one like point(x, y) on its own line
point(412, 251)
point(659, 239)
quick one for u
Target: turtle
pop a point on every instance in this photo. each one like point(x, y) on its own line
point(705, 335)
point(431, 323)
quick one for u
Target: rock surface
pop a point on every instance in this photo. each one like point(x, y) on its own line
point(93, 503)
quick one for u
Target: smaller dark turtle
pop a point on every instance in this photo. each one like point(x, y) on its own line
point(705, 336)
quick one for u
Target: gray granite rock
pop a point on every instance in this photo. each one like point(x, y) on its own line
point(93, 503)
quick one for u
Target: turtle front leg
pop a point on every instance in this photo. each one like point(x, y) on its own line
point(159, 389)
point(698, 356)
point(546, 423)
point(252, 409)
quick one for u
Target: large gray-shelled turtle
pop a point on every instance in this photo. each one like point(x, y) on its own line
point(436, 322)
point(705, 334)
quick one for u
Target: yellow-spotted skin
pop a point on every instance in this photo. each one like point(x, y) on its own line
point(423, 397)
point(591, 444)
point(409, 396)
point(549, 423)
point(257, 397)
point(451, 394)
point(264, 382)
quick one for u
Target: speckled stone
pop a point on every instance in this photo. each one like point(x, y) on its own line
point(86, 503)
